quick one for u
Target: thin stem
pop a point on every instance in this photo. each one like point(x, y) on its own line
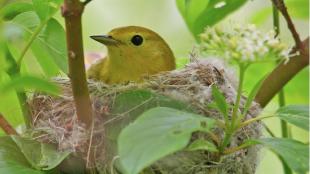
point(280, 5)
point(247, 122)
point(235, 114)
point(6, 126)
point(232, 127)
point(32, 38)
point(268, 130)
point(281, 95)
point(28, 44)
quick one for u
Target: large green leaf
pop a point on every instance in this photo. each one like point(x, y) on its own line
point(40, 156)
point(156, 133)
point(51, 39)
point(199, 14)
point(12, 160)
point(295, 114)
point(128, 105)
point(294, 153)
point(9, 11)
point(29, 82)
point(42, 8)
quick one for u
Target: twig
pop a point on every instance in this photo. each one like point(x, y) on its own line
point(281, 75)
point(86, 2)
point(282, 8)
point(72, 12)
point(6, 126)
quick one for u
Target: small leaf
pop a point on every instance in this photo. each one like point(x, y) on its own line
point(201, 144)
point(40, 156)
point(156, 133)
point(252, 95)
point(11, 10)
point(42, 8)
point(12, 160)
point(294, 153)
point(29, 82)
point(297, 115)
point(220, 102)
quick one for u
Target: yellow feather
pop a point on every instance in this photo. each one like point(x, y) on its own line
point(129, 62)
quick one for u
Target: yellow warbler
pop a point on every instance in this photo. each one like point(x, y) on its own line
point(133, 52)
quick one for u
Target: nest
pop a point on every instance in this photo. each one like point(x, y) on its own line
point(55, 121)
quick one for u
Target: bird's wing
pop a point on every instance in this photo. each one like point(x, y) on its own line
point(94, 70)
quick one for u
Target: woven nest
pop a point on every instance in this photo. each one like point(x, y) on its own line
point(55, 121)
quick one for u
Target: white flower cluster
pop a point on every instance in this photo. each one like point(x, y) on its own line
point(244, 45)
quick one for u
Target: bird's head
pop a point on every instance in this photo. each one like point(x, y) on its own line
point(137, 47)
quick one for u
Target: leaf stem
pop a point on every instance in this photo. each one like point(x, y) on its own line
point(6, 126)
point(235, 114)
point(247, 122)
point(28, 44)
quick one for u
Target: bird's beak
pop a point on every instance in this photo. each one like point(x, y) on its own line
point(105, 39)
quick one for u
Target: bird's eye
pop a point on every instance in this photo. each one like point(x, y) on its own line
point(137, 40)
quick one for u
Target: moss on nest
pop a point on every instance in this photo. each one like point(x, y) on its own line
point(55, 121)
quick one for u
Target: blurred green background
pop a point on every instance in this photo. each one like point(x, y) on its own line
point(163, 17)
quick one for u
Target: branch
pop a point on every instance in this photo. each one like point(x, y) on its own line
point(72, 12)
point(281, 75)
point(282, 8)
point(6, 126)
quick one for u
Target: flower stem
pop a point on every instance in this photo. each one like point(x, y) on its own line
point(235, 114)
point(230, 129)
point(281, 95)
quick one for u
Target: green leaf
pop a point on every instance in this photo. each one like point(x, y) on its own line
point(252, 95)
point(11, 10)
point(199, 14)
point(51, 40)
point(156, 133)
point(45, 59)
point(298, 8)
point(12, 160)
point(201, 144)
point(29, 82)
point(220, 102)
point(28, 21)
point(261, 16)
point(294, 153)
point(40, 156)
point(297, 115)
point(55, 42)
point(42, 8)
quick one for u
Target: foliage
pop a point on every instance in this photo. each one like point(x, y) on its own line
point(297, 8)
point(294, 153)
point(156, 133)
point(295, 114)
point(201, 13)
point(23, 155)
point(32, 34)
point(35, 30)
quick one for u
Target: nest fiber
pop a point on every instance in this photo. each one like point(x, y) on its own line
point(55, 120)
